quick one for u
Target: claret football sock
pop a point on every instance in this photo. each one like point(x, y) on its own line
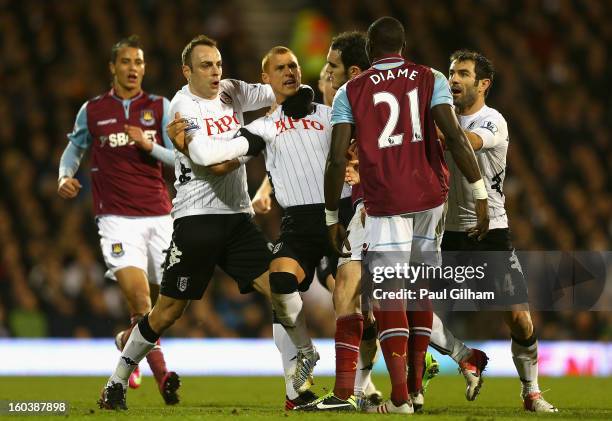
point(393, 335)
point(347, 338)
point(418, 341)
point(156, 361)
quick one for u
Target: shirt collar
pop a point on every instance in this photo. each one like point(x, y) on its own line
point(388, 61)
point(118, 98)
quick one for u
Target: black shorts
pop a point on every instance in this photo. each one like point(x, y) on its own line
point(199, 242)
point(304, 238)
point(504, 274)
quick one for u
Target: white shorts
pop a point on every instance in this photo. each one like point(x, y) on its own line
point(416, 235)
point(135, 241)
point(356, 237)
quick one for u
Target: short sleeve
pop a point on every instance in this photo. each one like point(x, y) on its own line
point(493, 131)
point(80, 136)
point(341, 108)
point(441, 92)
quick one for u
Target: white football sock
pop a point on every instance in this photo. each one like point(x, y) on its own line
point(289, 312)
point(526, 362)
point(368, 348)
point(288, 353)
point(445, 342)
point(134, 351)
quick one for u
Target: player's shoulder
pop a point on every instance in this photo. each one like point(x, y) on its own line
point(155, 98)
point(322, 110)
point(183, 98)
point(98, 99)
point(490, 113)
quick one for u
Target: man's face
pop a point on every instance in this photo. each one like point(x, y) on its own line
point(128, 68)
point(284, 75)
point(338, 73)
point(463, 84)
point(205, 72)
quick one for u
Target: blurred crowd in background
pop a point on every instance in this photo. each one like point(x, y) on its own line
point(552, 85)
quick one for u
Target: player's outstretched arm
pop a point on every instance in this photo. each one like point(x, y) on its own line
point(463, 154)
point(335, 168)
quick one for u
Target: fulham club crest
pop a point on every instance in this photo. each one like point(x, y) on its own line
point(183, 282)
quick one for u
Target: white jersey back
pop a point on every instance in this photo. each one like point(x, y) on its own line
point(197, 190)
point(491, 126)
point(296, 151)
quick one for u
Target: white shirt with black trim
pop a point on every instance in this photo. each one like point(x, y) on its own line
point(210, 121)
point(492, 128)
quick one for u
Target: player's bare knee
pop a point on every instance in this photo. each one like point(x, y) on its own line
point(288, 265)
point(520, 324)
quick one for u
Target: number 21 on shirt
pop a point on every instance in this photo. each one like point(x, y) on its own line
point(387, 139)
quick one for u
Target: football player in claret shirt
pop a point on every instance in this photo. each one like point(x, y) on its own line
point(392, 110)
point(125, 129)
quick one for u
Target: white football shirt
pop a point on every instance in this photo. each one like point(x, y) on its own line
point(491, 126)
point(197, 190)
point(296, 152)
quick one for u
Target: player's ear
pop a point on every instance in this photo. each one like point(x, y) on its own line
point(111, 68)
point(353, 71)
point(265, 77)
point(485, 84)
point(186, 72)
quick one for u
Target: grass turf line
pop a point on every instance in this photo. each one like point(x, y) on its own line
point(261, 398)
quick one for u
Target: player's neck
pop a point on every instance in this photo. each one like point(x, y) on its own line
point(472, 109)
point(124, 93)
point(202, 95)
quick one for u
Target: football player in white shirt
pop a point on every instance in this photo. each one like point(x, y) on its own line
point(296, 148)
point(212, 212)
point(470, 76)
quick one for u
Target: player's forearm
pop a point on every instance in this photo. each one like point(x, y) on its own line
point(336, 164)
point(205, 151)
point(475, 140)
point(70, 160)
point(162, 154)
point(265, 189)
point(224, 167)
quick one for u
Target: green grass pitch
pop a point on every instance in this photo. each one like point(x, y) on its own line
point(260, 398)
